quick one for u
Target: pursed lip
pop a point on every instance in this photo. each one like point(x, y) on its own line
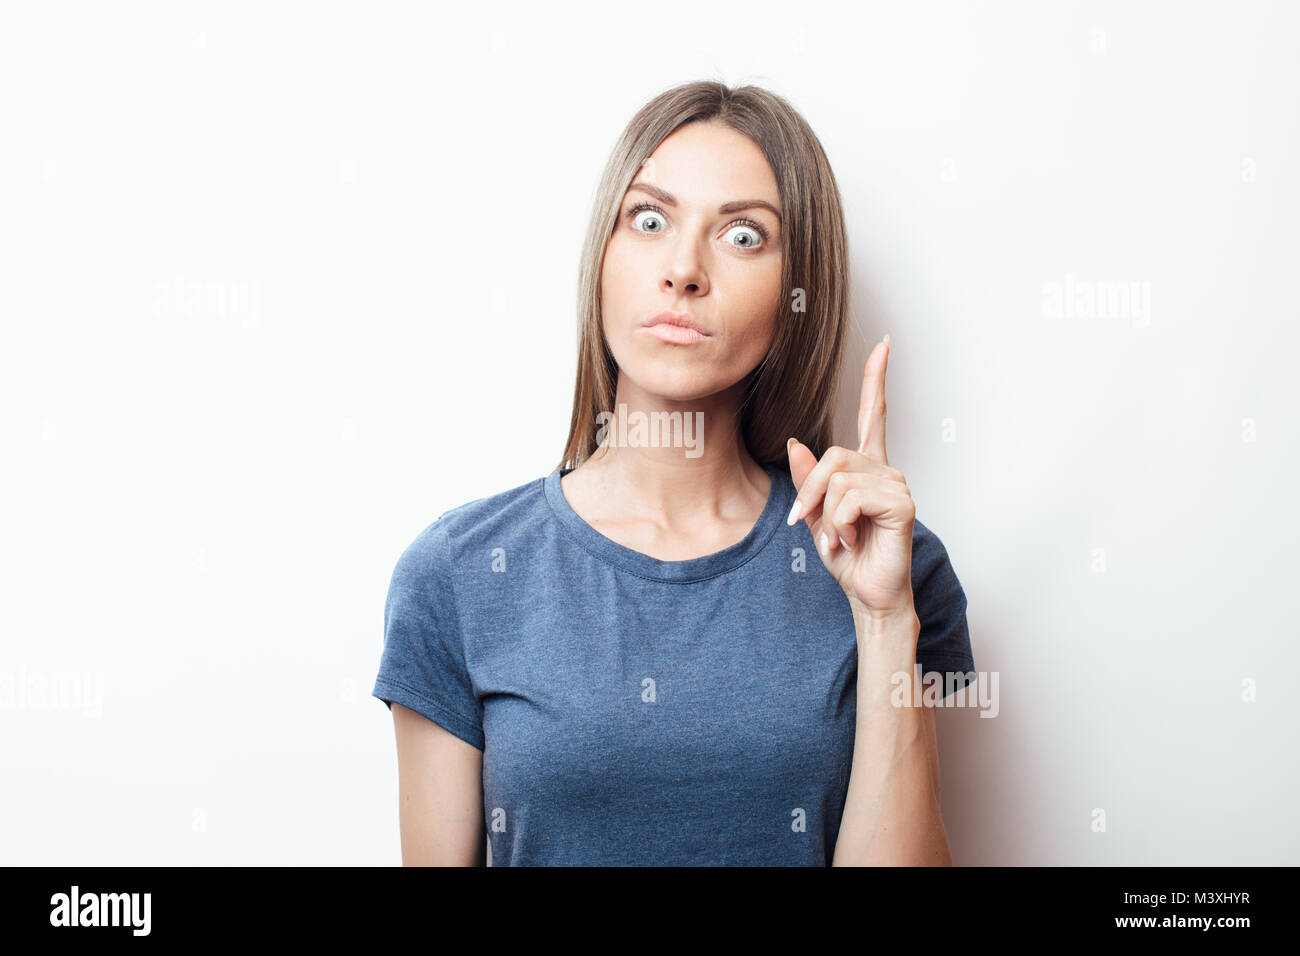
point(683, 319)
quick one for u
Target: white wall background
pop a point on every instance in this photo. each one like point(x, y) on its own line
point(281, 282)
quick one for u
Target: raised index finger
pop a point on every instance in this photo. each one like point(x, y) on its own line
point(871, 408)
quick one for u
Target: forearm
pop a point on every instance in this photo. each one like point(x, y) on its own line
point(891, 812)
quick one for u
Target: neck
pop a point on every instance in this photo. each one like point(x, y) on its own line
point(677, 475)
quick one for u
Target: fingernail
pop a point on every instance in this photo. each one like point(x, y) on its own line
point(845, 543)
point(789, 445)
point(824, 543)
point(886, 339)
point(796, 510)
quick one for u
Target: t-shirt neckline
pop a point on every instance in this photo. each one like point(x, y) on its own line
point(779, 499)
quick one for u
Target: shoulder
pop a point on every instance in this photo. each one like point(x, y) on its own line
point(500, 517)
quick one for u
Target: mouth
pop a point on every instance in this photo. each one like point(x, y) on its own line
point(676, 328)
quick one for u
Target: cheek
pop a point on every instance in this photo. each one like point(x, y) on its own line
point(617, 299)
point(615, 276)
point(760, 306)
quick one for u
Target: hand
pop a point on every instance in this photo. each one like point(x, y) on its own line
point(859, 510)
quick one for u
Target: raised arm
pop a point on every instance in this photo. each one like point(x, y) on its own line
point(861, 516)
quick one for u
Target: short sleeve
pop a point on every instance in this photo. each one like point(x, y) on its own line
point(423, 665)
point(944, 642)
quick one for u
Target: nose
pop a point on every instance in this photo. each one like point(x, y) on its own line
point(684, 273)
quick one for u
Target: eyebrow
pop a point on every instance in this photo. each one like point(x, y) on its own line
point(727, 207)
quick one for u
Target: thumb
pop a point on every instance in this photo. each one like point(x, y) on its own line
point(802, 461)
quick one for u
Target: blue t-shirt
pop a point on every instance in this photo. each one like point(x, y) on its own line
point(633, 711)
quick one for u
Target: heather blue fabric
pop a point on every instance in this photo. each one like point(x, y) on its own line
point(633, 711)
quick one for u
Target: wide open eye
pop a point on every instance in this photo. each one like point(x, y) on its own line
point(648, 221)
point(751, 236)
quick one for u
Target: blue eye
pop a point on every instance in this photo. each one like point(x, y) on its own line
point(638, 218)
point(752, 243)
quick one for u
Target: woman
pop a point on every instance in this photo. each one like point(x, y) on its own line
point(635, 659)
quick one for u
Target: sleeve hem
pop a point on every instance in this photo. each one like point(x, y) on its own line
point(952, 662)
point(390, 691)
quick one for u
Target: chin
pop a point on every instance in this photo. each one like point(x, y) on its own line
point(673, 381)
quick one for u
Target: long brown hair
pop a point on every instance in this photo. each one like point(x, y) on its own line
point(791, 391)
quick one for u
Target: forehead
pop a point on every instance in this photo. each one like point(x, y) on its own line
point(709, 164)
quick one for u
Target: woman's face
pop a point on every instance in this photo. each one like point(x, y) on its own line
point(693, 237)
